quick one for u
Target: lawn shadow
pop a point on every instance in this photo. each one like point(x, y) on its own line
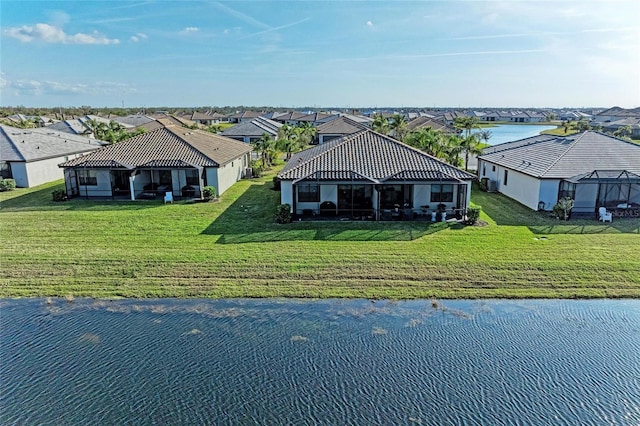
point(250, 219)
point(40, 199)
point(506, 212)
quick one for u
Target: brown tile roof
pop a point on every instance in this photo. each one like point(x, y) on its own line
point(166, 147)
point(340, 126)
point(371, 155)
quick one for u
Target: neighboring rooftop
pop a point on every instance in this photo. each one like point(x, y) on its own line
point(168, 146)
point(41, 143)
point(557, 157)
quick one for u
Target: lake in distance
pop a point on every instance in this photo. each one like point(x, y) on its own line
point(512, 132)
point(333, 362)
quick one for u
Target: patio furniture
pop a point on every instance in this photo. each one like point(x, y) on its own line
point(168, 197)
point(604, 215)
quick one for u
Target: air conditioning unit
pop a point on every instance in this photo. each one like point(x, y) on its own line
point(248, 172)
point(491, 186)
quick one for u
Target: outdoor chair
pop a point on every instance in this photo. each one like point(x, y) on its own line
point(604, 215)
point(168, 197)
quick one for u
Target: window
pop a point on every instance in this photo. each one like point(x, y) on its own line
point(87, 178)
point(441, 193)
point(192, 177)
point(506, 177)
point(493, 168)
point(484, 169)
point(308, 193)
point(567, 189)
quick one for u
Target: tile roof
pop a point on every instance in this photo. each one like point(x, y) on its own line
point(340, 126)
point(41, 143)
point(256, 127)
point(371, 155)
point(166, 147)
point(558, 157)
point(422, 122)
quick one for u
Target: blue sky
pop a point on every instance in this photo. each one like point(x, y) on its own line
point(320, 53)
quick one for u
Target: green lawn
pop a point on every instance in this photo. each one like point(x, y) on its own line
point(232, 248)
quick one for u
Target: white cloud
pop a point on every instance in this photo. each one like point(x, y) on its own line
point(369, 24)
point(190, 30)
point(34, 87)
point(51, 34)
point(139, 36)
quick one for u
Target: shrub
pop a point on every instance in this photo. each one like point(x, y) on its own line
point(283, 213)
point(7, 185)
point(59, 195)
point(276, 183)
point(209, 193)
point(473, 214)
point(562, 210)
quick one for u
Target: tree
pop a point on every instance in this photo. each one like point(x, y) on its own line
point(484, 136)
point(112, 132)
point(426, 139)
point(471, 146)
point(582, 125)
point(623, 132)
point(466, 123)
point(266, 149)
point(451, 150)
point(287, 140)
point(398, 127)
point(306, 133)
point(380, 124)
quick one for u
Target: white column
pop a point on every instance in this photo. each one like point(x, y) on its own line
point(131, 188)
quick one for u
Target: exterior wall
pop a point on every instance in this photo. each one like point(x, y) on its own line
point(286, 193)
point(20, 175)
point(522, 188)
point(228, 174)
point(548, 192)
point(35, 173)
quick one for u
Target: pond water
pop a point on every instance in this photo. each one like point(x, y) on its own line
point(513, 132)
point(319, 362)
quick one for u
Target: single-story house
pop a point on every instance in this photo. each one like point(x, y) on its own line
point(251, 131)
point(632, 122)
point(423, 122)
point(337, 128)
point(592, 168)
point(616, 113)
point(370, 175)
point(31, 156)
point(169, 159)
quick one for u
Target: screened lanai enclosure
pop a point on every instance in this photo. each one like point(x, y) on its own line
point(616, 190)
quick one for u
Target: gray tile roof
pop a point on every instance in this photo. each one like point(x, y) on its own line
point(41, 143)
point(371, 155)
point(256, 127)
point(340, 126)
point(166, 147)
point(422, 122)
point(558, 157)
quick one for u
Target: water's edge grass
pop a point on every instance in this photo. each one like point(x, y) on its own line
point(232, 248)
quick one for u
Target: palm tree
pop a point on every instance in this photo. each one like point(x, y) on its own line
point(471, 146)
point(451, 150)
point(398, 128)
point(380, 124)
point(427, 140)
point(287, 140)
point(266, 149)
point(484, 136)
point(306, 133)
point(466, 123)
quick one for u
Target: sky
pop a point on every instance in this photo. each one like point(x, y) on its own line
point(294, 54)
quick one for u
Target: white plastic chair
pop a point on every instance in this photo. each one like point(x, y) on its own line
point(168, 197)
point(604, 215)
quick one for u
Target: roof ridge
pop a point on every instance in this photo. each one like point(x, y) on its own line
point(573, 144)
point(335, 142)
point(186, 142)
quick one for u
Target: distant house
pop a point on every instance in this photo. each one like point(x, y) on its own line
point(423, 122)
point(592, 168)
point(31, 156)
point(337, 128)
point(169, 159)
point(370, 175)
point(206, 118)
point(632, 122)
point(243, 116)
point(615, 114)
point(251, 131)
